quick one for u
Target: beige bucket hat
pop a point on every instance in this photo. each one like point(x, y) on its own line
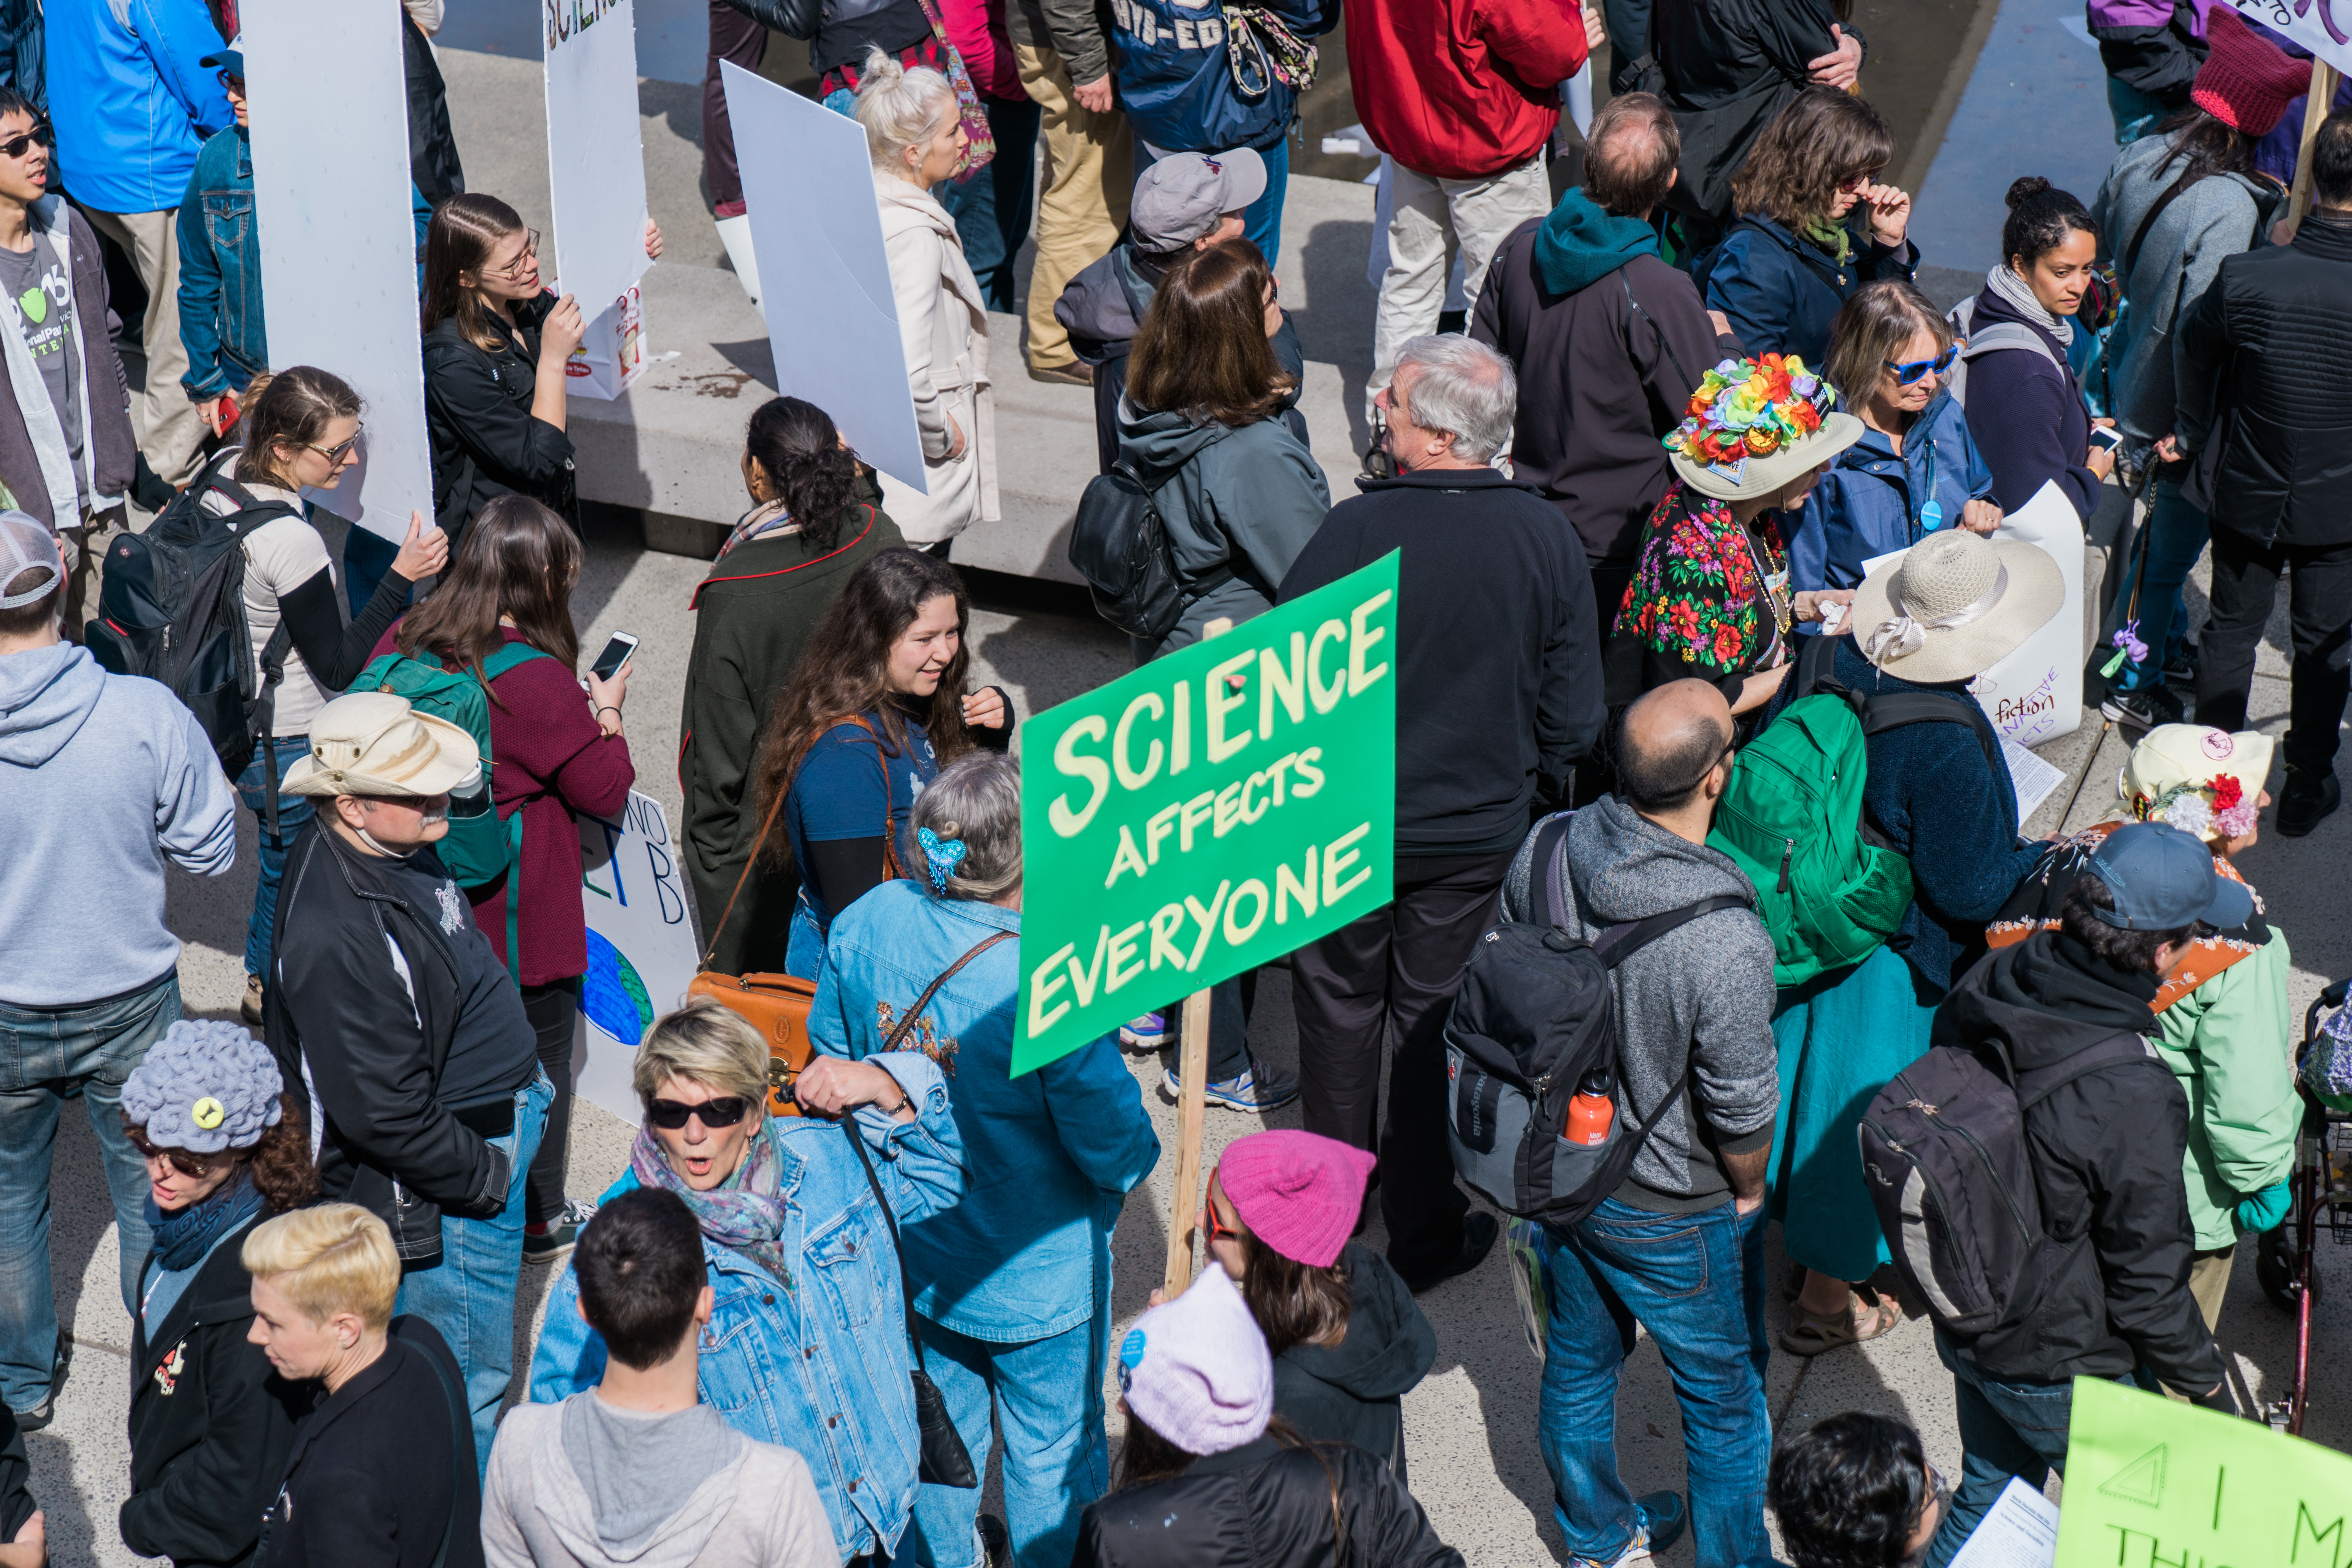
point(1955, 605)
point(372, 743)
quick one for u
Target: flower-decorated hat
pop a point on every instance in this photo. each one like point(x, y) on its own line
point(2201, 781)
point(1754, 424)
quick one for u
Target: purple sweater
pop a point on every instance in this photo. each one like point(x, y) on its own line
point(2028, 417)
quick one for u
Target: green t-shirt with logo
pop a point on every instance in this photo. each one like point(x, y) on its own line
point(35, 284)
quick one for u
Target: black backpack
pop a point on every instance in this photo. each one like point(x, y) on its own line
point(1944, 1158)
point(1119, 545)
point(1536, 1013)
point(172, 608)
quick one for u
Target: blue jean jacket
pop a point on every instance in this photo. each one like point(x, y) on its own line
point(1873, 502)
point(1051, 1154)
point(820, 1362)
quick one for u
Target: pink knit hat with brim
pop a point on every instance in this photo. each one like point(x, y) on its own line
point(2247, 81)
point(1196, 1370)
point(1298, 1193)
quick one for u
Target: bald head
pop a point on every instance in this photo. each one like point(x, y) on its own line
point(1673, 738)
point(1630, 153)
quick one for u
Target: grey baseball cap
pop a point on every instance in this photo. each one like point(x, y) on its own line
point(1180, 197)
point(27, 545)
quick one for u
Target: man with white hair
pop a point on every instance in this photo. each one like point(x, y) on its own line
point(1498, 696)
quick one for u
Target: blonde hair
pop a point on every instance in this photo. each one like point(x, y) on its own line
point(702, 1043)
point(335, 1258)
point(977, 800)
point(900, 107)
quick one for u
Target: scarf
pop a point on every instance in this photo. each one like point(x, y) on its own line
point(1580, 244)
point(2000, 280)
point(1831, 235)
point(185, 1235)
point(743, 1213)
point(766, 518)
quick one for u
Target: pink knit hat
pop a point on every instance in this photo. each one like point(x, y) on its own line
point(2247, 81)
point(1298, 1193)
point(1196, 1371)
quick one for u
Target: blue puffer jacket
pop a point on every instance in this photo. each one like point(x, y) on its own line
point(1176, 81)
point(1782, 292)
point(131, 101)
point(1873, 502)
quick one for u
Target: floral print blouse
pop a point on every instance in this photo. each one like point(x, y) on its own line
point(1697, 595)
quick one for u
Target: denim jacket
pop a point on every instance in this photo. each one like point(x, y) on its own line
point(1051, 1154)
point(220, 271)
point(819, 1362)
point(1871, 501)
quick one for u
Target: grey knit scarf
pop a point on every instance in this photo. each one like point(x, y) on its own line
point(2019, 293)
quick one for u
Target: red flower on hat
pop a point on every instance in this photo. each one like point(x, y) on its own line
point(2227, 792)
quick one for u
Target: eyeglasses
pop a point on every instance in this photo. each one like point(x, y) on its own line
point(336, 453)
point(16, 145)
point(191, 1165)
point(514, 270)
point(1910, 371)
point(670, 1116)
point(1852, 184)
point(1218, 1229)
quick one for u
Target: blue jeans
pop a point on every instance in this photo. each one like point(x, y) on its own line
point(294, 812)
point(366, 558)
point(469, 1295)
point(805, 950)
point(1049, 1410)
point(1262, 219)
point(991, 209)
point(2176, 533)
point(47, 1056)
point(1696, 1283)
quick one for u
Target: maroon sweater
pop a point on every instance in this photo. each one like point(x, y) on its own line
point(553, 765)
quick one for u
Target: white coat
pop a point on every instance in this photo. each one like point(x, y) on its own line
point(943, 330)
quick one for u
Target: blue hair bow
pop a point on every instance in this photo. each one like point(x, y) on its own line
point(944, 855)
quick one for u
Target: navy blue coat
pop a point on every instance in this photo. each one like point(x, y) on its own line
point(2028, 416)
point(1871, 501)
point(1782, 292)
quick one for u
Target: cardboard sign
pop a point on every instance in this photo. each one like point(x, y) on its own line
point(641, 946)
point(2314, 24)
point(611, 354)
point(1215, 809)
point(595, 159)
point(2149, 1482)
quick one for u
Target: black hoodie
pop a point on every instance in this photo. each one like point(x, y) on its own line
point(1353, 1392)
point(2109, 1287)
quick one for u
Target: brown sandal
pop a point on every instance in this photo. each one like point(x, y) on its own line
point(1810, 1336)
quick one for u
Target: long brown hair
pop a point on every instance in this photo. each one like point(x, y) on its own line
point(1823, 139)
point(466, 231)
point(516, 558)
point(279, 1162)
point(842, 671)
point(290, 409)
point(1295, 1303)
point(1202, 349)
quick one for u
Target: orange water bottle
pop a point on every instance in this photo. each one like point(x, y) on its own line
point(1591, 1110)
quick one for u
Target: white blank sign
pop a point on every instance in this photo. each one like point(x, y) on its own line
point(595, 164)
point(824, 279)
point(338, 232)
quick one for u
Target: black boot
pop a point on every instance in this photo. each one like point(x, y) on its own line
point(2305, 798)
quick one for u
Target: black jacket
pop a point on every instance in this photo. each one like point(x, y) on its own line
point(478, 420)
point(16, 1503)
point(1264, 1506)
point(2266, 361)
point(432, 162)
point(2108, 1288)
point(377, 1468)
point(339, 1009)
point(2159, 61)
point(1353, 1392)
point(1498, 667)
point(1726, 69)
point(210, 1421)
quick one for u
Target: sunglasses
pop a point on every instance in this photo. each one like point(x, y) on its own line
point(725, 1111)
point(1218, 1229)
point(1853, 183)
point(1908, 373)
point(336, 453)
point(16, 145)
point(194, 1166)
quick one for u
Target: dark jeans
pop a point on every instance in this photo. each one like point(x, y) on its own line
point(1395, 969)
point(992, 208)
point(553, 1011)
point(2245, 581)
point(733, 37)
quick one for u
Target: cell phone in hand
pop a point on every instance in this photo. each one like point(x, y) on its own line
point(616, 654)
point(2106, 438)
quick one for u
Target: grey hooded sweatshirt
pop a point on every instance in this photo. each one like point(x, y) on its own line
point(1698, 999)
point(584, 1484)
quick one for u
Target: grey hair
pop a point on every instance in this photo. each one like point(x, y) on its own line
point(1465, 390)
point(977, 799)
point(900, 107)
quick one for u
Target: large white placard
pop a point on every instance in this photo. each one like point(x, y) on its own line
point(824, 279)
point(338, 232)
point(595, 162)
point(2311, 22)
point(641, 951)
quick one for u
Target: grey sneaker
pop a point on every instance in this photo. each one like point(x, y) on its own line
point(1260, 1090)
point(563, 1234)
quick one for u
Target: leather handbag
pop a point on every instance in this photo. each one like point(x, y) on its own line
point(946, 1462)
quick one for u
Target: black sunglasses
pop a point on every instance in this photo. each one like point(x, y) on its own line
point(14, 146)
point(194, 1167)
point(1912, 370)
point(725, 1111)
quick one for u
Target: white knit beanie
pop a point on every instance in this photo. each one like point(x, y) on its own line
point(1196, 1370)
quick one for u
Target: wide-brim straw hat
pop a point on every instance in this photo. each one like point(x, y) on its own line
point(1955, 605)
point(372, 743)
point(1753, 477)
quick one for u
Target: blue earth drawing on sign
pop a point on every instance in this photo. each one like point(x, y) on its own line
point(610, 994)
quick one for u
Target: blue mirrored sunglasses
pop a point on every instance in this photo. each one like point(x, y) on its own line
point(1907, 374)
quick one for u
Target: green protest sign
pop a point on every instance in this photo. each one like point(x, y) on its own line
point(2151, 1483)
point(1214, 809)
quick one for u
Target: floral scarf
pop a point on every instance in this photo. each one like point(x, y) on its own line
point(1697, 595)
point(744, 1213)
point(766, 518)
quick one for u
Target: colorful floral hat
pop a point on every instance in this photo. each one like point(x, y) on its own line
point(1755, 423)
point(2201, 781)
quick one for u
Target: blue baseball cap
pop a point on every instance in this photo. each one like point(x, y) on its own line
point(2162, 879)
point(230, 59)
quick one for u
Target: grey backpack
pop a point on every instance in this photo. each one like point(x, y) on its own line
point(1976, 340)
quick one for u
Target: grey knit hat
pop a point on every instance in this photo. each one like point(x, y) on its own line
point(205, 1087)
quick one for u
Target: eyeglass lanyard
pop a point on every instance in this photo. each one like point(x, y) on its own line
point(1931, 515)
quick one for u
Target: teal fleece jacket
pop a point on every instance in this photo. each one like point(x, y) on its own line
point(1580, 244)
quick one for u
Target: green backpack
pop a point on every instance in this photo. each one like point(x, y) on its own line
point(1828, 887)
point(478, 848)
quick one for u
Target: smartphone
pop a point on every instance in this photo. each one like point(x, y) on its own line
point(616, 654)
point(2106, 438)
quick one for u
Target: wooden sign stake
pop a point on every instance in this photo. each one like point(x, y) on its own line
point(2323, 78)
point(1192, 1110)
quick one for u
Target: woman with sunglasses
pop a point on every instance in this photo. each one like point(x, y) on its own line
point(1915, 468)
point(807, 1344)
point(301, 430)
point(1013, 1285)
point(210, 1424)
point(496, 344)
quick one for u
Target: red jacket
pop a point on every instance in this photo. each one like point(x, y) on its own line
point(1461, 88)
